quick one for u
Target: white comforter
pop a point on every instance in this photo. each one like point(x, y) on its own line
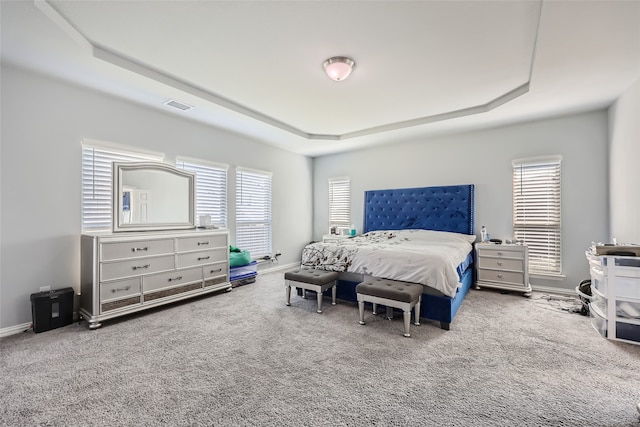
point(419, 256)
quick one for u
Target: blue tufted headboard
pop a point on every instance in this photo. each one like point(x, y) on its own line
point(446, 208)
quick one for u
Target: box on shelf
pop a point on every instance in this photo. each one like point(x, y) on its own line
point(618, 250)
point(243, 274)
point(52, 309)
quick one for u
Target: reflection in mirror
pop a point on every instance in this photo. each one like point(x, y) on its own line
point(152, 196)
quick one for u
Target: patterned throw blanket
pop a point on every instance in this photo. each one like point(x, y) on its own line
point(419, 256)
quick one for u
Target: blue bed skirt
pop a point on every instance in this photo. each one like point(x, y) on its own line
point(439, 308)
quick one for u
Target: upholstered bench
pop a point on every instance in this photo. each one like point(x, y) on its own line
point(391, 293)
point(312, 280)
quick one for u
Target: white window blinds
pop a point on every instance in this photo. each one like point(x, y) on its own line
point(253, 211)
point(536, 212)
point(97, 191)
point(339, 202)
point(211, 189)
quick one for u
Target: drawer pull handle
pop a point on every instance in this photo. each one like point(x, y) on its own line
point(499, 253)
point(500, 263)
point(499, 276)
point(126, 288)
point(146, 248)
point(203, 258)
point(140, 267)
point(202, 243)
point(175, 278)
point(216, 271)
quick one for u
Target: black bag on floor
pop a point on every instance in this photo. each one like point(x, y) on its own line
point(584, 293)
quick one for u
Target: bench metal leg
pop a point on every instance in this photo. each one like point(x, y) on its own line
point(407, 321)
point(416, 309)
point(361, 310)
point(333, 295)
point(288, 294)
point(375, 308)
point(319, 297)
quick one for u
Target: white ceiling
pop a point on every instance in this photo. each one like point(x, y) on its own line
point(422, 67)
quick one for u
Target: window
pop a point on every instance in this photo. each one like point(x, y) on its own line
point(97, 190)
point(339, 202)
point(253, 211)
point(536, 212)
point(211, 189)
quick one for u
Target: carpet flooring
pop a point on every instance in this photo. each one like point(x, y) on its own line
point(243, 358)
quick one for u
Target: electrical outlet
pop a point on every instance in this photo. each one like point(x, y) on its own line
point(45, 288)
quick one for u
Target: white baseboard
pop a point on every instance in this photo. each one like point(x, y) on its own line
point(278, 267)
point(557, 291)
point(13, 330)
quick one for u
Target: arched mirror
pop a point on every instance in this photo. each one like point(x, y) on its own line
point(152, 196)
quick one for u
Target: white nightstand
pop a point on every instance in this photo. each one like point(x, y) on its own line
point(503, 267)
point(333, 238)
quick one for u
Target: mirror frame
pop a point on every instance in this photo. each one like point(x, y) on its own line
point(119, 168)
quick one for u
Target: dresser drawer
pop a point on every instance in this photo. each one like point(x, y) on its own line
point(121, 250)
point(199, 243)
point(171, 279)
point(136, 267)
point(189, 259)
point(598, 320)
point(501, 263)
point(215, 270)
point(119, 289)
point(599, 300)
point(501, 276)
point(597, 280)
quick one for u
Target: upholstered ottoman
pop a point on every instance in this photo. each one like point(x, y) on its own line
point(391, 293)
point(312, 280)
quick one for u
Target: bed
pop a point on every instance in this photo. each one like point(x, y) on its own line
point(419, 235)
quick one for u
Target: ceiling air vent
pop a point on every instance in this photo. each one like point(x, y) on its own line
point(179, 105)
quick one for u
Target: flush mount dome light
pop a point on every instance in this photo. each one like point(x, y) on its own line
point(338, 68)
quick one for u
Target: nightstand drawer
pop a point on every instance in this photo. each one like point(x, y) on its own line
point(501, 276)
point(501, 263)
point(498, 252)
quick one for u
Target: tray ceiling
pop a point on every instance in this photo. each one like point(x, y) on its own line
point(256, 67)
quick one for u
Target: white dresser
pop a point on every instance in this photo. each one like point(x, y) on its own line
point(615, 300)
point(122, 273)
point(503, 267)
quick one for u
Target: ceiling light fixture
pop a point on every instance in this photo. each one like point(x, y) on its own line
point(338, 68)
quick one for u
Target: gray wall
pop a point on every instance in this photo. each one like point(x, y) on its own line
point(624, 183)
point(484, 158)
point(43, 124)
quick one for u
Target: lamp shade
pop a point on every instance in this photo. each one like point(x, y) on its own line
point(338, 68)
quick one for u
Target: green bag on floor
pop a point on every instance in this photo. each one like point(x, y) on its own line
point(238, 257)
